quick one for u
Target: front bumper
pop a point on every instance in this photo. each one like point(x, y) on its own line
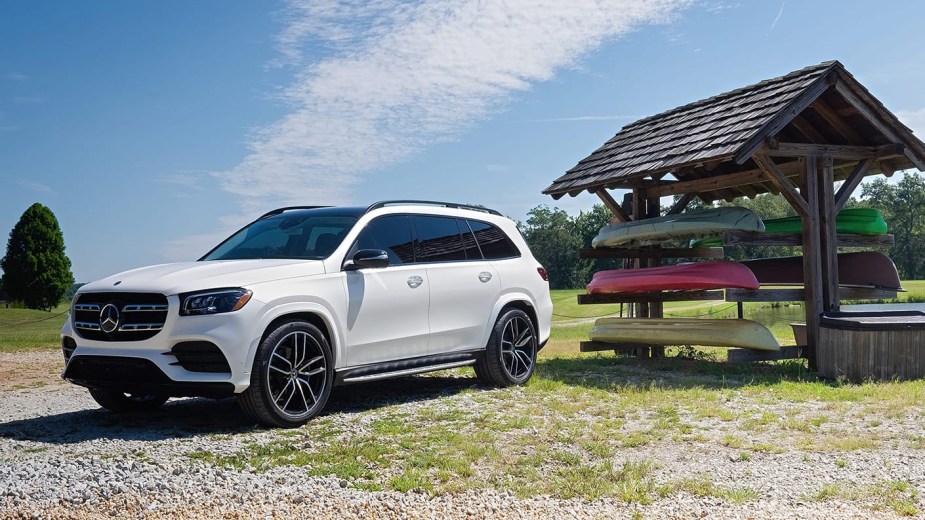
point(167, 363)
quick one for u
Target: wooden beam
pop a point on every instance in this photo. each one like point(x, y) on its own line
point(807, 129)
point(812, 258)
point(622, 348)
point(851, 183)
point(662, 296)
point(681, 204)
point(874, 119)
point(653, 209)
point(784, 116)
point(798, 294)
point(708, 183)
point(885, 168)
point(853, 153)
point(752, 238)
point(828, 251)
point(835, 121)
point(742, 355)
point(783, 183)
point(612, 205)
point(693, 252)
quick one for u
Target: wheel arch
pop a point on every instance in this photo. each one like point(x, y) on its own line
point(315, 315)
point(511, 301)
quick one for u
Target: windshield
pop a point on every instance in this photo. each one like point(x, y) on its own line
point(297, 235)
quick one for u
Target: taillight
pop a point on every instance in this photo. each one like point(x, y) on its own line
point(543, 274)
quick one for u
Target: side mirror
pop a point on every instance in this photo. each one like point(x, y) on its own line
point(367, 259)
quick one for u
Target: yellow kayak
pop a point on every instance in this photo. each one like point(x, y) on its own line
point(685, 331)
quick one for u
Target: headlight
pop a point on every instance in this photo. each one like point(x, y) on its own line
point(215, 301)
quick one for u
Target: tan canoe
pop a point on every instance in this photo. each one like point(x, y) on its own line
point(685, 331)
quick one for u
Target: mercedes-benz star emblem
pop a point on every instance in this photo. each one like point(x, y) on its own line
point(109, 318)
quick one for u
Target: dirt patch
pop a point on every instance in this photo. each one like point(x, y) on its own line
point(30, 369)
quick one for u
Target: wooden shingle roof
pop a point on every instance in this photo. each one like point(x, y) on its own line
point(717, 136)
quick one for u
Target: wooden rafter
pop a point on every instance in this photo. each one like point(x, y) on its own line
point(851, 183)
point(835, 121)
point(874, 119)
point(852, 153)
point(807, 129)
point(708, 183)
point(612, 205)
point(682, 203)
point(782, 182)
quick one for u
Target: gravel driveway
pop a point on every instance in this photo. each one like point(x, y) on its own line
point(63, 457)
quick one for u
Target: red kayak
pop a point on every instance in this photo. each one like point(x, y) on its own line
point(681, 277)
point(864, 269)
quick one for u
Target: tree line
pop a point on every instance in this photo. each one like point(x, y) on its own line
point(554, 236)
point(37, 272)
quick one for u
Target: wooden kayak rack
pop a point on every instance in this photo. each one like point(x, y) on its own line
point(652, 301)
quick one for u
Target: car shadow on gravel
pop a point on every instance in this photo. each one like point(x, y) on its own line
point(182, 418)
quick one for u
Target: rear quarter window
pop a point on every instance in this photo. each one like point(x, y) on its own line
point(494, 243)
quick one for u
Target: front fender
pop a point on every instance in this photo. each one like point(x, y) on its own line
point(277, 310)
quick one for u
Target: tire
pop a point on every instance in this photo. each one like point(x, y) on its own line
point(120, 402)
point(292, 376)
point(510, 356)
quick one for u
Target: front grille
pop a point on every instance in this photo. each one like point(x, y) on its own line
point(137, 316)
point(200, 356)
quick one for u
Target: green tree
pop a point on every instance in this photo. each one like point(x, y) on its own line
point(901, 205)
point(550, 233)
point(35, 269)
point(555, 237)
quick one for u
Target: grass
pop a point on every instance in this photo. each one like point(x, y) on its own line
point(25, 329)
point(896, 495)
point(582, 425)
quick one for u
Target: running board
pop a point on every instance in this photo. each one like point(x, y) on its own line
point(407, 371)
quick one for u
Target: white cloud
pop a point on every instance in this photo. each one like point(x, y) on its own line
point(35, 186)
point(588, 118)
point(914, 119)
point(189, 179)
point(777, 18)
point(15, 76)
point(404, 75)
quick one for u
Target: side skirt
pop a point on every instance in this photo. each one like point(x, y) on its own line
point(405, 367)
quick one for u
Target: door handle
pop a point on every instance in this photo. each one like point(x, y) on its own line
point(484, 276)
point(415, 281)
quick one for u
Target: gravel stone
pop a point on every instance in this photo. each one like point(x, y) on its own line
point(63, 457)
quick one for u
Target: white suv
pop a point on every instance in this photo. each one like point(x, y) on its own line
point(304, 299)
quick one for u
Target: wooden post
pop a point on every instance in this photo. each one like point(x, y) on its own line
point(812, 260)
point(639, 212)
point(828, 252)
point(653, 209)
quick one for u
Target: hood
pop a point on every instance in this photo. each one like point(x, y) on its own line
point(194, 276)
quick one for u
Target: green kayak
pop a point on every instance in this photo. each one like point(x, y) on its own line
point(855, 221)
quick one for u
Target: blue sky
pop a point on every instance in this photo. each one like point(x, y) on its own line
point(153, 129)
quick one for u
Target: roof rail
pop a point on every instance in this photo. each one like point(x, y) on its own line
point(384, 203)
point(287, 208)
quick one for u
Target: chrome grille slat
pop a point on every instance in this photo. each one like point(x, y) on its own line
point(141, 326)
point(87, 307)
point(87, 325)
point(144, 308)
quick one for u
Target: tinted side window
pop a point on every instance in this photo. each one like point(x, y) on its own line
point(472, 247)
point(391, 234)
point(492, 241)
point(438, 240)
